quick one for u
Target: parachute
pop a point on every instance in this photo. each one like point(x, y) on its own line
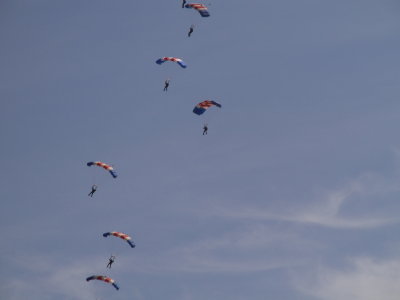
point(201, 8)
point(104, 166)
point(174, 59)
point(103, 278)
point(201, 107)
point(122, 236)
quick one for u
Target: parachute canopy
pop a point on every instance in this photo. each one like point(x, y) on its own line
point(122, 236)
point(201, 107)
point(174, 59)
point(201, 8)
point(103, 278)
point(104, 166)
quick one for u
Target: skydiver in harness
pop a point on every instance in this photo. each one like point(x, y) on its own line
point(166, 85)
point(110, 261)
point(183, 3)
point(94, 189)
point(205, 129)
point(190, 30)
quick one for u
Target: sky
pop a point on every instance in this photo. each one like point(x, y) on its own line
point(293, 194)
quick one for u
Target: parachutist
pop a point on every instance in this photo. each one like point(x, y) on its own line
point(190, 30)
point(110, 261)
point(166, 85)
point(94, 189)
point(183, 3)
point(205, 129)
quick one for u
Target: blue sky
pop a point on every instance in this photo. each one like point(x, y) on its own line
point(293, 194)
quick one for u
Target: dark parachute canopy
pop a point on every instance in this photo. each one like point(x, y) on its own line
point(201, 107)
point(104, 166)
point(122, 236)
point(174, 59)
point(103, 278)
point(201, 8)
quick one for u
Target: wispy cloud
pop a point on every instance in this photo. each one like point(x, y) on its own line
point(41, 274)
point(252, 249)
point(328, 209)
point(366, 279)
